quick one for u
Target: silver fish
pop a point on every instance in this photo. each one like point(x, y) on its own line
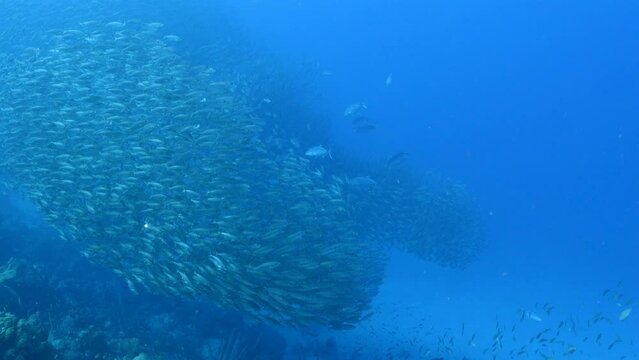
point(355, 109)
point(318, 152)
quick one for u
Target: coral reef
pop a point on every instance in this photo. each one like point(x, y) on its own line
point(24, 339)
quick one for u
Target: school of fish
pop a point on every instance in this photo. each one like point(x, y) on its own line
point(165, 173)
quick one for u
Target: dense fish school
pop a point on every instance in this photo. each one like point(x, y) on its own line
point(166, 175)
point(161, 172)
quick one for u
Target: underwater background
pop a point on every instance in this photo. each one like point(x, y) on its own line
point(319, 179)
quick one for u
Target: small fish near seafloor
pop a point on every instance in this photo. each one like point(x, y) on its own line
point(396, 158)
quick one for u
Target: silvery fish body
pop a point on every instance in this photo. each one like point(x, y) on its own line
point(355, 109)
point(317, 152)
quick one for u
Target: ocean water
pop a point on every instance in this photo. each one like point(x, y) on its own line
point(319, 180)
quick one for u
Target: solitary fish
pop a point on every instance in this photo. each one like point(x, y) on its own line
point(355, 109)
point(624, 314)
point(318, 152)
point(389, 80)
point(570, 350)
point(532, 316)
point(364, 128)
point(115, 24)
point(172, 38)
point(362, 181)
point(396, 158)
point(360, 120)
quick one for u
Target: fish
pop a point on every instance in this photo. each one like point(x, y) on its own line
point(364, 128)
point(362, 181)
point(360, 120)
point(115, 24)
point(172, 38)
point(107, 129)
point(471, 342)
point(615, 342)
point(548, 309)
point(396, 159)
point(318, 152)
point(533, 316)
point(116, 180)
point(624, 314)
point(570, 351)
point(367, 316)
point(389, 80)
point(355, 109)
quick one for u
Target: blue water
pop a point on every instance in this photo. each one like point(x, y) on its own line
point(531, 104)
